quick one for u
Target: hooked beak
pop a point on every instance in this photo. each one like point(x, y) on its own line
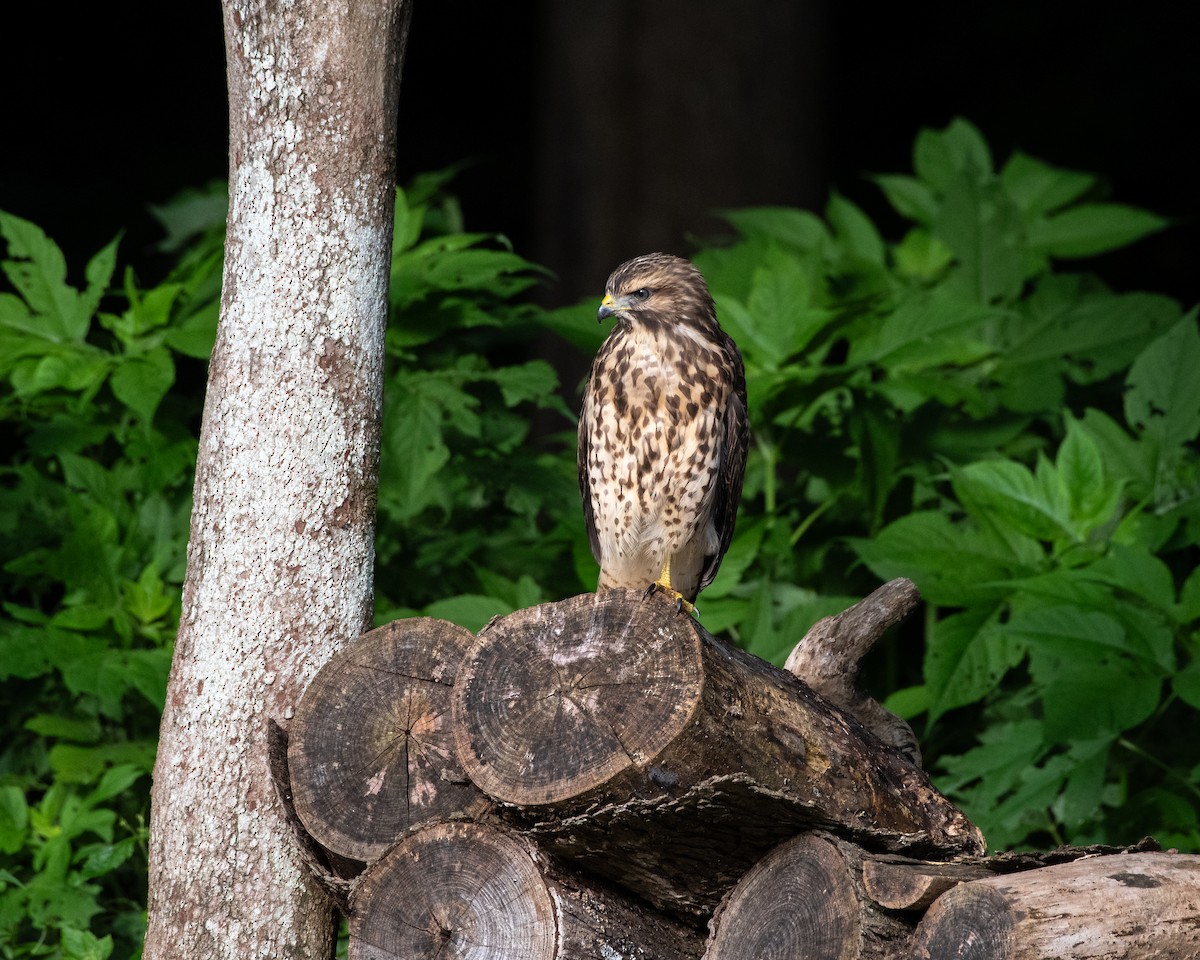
point(608, 308)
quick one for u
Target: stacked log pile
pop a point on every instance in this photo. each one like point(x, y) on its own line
point(602, 778)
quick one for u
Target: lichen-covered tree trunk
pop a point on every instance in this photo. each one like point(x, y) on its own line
point(280, 558)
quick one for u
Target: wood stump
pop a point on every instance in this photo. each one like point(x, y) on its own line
point(477, 892)
point(370, 753)
point(609, 718)
point(1121, 907)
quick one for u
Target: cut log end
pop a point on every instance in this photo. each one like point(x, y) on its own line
point(481, 890)
point(453, 890)
point(554, 700)
point(804, 899)
point(371, 754)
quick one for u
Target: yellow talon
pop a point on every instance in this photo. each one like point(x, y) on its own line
point(663, 583)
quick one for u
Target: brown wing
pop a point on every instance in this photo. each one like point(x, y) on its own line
point(582, 453)
point(733, 462)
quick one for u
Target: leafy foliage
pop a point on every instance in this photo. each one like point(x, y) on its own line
point(94, 500)
point(961, 406)
point(1017, 439)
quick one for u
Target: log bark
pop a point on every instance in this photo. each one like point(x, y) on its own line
point(370, 752)
point(333, 873)
point(899, 884)
point(473, 890)
point(829, 656)
point(806, 898)
point(280, 555)
point(606, 717)
point(1117, 907)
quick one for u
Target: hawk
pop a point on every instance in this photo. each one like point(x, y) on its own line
point(662, 434)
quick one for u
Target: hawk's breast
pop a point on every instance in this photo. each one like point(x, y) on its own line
point(655, 406)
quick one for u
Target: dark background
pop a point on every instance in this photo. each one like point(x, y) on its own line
point(600, 130)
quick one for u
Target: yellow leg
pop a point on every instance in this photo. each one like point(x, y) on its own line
point(663, 583)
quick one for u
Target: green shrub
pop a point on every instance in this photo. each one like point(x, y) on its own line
point(94, 502)
point(962, 409)
point(959, 407)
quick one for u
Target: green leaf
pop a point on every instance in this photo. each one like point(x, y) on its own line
point(142, 380)
point(1091, 498)
point(908, 196)
point(192, 213)
point(75, 764)
point(742, 552)
point(66, 728)
point(940, 157)
point(472, 611)
point(77, 367)
point(98, 274)
point(1189, 598)
point(195, 335)
point(921, 255)
point(115, 781)
point(40, 276)
point(1138, 573)
point(967, 655)
point(1087, 333)
point(408, 222)
point(1186, 684)
point(953, 565)
point(84, 945)
point(1083, 792)
point(534, 381)
point(1005, 754)
point(795, 228)
point(27, 652)
point(1007, 495)
point(1039, 188)
point(1092, 228)
point(1093, 680)
point(1162, 397)
point(105, 858)
point(14, 819)
point(855, 230)
point(924, 330)
point(908, 703)
point(110, 674)
point(984, 228)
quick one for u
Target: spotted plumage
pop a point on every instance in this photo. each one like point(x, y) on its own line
point(662, 434)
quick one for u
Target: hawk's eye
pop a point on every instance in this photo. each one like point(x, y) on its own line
point(641, 294)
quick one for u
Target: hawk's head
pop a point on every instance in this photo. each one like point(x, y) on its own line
point(659, 288)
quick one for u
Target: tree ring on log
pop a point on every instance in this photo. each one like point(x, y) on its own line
point(454, 890)
point(558, 699)
point(797, 901)
point(369, 751)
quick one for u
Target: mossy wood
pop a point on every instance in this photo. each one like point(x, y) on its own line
point(370, 751)
point(468, 889)
point(630, 739)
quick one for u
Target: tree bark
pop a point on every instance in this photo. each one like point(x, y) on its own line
point(474, 890)
point(806, 898)
point(606, 718)
point(1117, 907)
point(280, 557)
